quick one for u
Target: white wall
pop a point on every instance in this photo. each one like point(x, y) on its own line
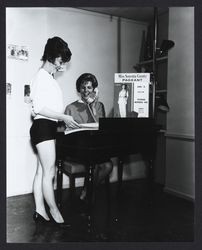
point(92, 39)
point(131, 38)
point(22, 29)
point(181, 71)
point(180, 171)
point(180, 163)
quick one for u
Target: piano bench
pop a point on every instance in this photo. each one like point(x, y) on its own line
point(76, 170)
point(73, 170)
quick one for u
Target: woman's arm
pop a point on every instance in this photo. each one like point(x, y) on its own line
point(59, 116)
point(98, 110)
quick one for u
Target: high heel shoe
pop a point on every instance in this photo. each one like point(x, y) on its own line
point(38, 218)
point(59, 224)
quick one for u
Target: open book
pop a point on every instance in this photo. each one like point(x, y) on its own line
point(84, 126)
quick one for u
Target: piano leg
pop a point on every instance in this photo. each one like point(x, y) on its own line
point(150, 180)
point(59, 183)
point(120, 173)
point(90, 195)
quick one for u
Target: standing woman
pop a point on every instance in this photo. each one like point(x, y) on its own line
point(122, 101)
point(47, 109)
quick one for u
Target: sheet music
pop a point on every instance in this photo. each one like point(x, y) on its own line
point(84, 126)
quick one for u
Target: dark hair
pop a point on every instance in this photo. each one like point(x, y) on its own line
point(56, 47)
point(125, 85)
point(86, 77)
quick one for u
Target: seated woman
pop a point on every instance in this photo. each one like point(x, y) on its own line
point(88, 110)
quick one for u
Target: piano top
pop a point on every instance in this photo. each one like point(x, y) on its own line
point(134, 124)
point(116, 136)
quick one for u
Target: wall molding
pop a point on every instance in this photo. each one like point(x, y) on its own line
point(179, 194)
point(183, 137)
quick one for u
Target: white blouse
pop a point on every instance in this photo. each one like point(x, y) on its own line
point(45, 92)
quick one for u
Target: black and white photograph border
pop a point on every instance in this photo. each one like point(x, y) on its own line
point(191, 243)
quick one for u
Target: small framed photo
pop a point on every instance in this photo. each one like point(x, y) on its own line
point(18, 52)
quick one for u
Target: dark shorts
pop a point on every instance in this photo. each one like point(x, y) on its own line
point(43, 130)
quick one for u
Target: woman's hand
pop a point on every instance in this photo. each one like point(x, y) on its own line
point(93, 96)
point(33, 114)
point(70, 122)
point(93, 107)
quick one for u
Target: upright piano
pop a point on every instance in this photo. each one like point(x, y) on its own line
point(116, 137)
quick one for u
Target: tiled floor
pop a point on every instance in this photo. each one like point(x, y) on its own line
point(131, 217)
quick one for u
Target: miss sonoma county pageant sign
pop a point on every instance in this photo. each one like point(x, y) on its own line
point(139, 90)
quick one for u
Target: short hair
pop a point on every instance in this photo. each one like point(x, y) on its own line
point(56, 47)
point(86, 77)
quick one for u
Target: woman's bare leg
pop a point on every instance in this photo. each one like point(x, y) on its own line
point(100, 173)
point(104, 170)
point(38, 192)
point(47, 156)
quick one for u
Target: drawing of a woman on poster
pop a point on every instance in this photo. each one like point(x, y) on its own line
point(122, 101)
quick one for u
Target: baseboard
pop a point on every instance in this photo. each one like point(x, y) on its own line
point(179, 194)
